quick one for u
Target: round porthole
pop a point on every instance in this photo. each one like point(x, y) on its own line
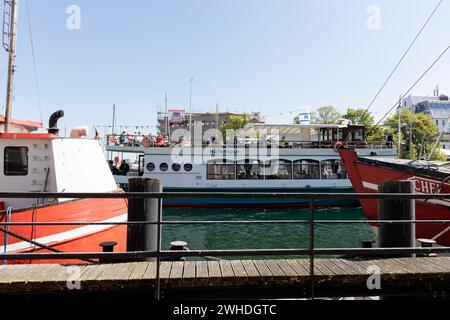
point(187, 167)
point(176, 167)
point(150, 166)
point(163, 166)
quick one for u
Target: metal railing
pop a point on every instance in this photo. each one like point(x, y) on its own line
point(159, 254)
point(136, 141)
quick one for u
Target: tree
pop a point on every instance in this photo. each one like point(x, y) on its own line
point(236, 122)
point(424, 131)
point(364, 117)
point(325, 115)
point(359, 116)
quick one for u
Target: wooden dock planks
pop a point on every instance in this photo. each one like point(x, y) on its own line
point(222, 274)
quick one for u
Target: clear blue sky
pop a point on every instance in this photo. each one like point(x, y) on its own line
point(270, 56)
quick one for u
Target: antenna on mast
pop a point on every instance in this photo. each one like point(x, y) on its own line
point(9, 43)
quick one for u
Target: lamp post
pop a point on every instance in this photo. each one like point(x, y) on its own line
point(190, 109)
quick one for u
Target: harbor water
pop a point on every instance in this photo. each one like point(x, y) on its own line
point(264, 236)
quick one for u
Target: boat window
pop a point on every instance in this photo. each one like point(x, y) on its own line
point(163, 166)
point(220, 170)
point(281, 169)
point(333, 169)
point(187, 167)
point(16, 161)
point(249, 170)
point(306, 169)
point(150, 166)
point(176, 167)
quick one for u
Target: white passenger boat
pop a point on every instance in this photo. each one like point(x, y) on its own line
point(286, 158)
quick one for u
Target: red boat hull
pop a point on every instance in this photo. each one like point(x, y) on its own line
point(366, 178)
point(85, 238)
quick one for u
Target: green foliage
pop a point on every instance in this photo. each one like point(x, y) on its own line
point(376, 133)
point(424, 130)
point(236, 122)
point(325, 115)
point(359, 116)
point(439, 155)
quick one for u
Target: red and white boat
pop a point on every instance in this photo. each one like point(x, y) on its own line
point(367, 173)
point(46, 162)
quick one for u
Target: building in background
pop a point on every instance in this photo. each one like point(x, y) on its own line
point(437, 107)
point(179, 119)
point(20, 126)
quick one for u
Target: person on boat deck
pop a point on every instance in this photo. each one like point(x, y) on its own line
point(129, 139)
point(160, 141)
point(149, 141)
point(139, 138)
point(212, 141)
point(166, 141)
point(124, 168)
point(283, 142)
point(113, 168)
point(113, 140)
point(390, 140)
point(122, 138)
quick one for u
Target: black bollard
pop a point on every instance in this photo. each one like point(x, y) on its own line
point(397, 235)
point(143, 237)
point(107, 246)
point(427, 243)
point(366, 244)
point(178, 246)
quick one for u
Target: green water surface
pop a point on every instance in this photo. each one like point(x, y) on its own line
point(276, 236)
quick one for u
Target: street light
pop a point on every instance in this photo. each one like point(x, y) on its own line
point(190, 109)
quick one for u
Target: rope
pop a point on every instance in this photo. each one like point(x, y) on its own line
point(410, 89)
point(34, 62)
point(404, 55)
point(440, 234)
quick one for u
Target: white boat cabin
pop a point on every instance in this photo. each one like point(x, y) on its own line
point(302, 157)
point(45, 162)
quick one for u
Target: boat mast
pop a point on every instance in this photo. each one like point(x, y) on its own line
point(10, 31)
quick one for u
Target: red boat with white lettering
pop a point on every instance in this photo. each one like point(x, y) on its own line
point(366, 174)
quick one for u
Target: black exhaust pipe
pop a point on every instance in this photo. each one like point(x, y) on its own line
point(53, 122)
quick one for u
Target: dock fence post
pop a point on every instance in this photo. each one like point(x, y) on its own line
point(143, 237)
point(397, 235)
point(311, 247)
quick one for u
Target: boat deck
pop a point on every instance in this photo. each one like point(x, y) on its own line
point(232, 278)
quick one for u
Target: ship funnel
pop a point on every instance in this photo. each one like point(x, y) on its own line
point(53, 122)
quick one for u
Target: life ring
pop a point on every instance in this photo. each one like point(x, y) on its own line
point(337, 146)
point(146, 142)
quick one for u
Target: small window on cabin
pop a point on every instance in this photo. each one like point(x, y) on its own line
point(16, 161)
point(150, 166)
